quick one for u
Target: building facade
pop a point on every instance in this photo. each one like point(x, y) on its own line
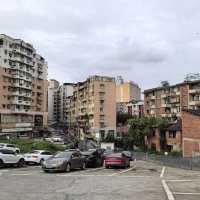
point(170, 100)
point(92, 107)
point(127, 91)
point(23, 87)
point(58, 101)
point(53, 87)
point(134, 108)
point(191, 133)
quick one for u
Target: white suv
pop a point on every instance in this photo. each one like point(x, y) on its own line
point(9, 147)
point(9, 157)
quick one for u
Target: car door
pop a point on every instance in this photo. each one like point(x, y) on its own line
point(74, 160)
point(10, 156)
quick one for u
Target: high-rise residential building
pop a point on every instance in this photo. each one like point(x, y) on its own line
point(53, 101)
point(58, 101)
point(23, 87)
point(65, 91)
point(92, 107)
point(127, 91)
point(168, 101)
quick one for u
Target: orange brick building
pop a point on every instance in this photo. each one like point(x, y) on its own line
point(191, 133)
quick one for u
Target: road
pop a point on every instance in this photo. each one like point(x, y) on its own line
point(142, 181)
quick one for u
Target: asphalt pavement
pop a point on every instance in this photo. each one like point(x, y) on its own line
point(143, 180)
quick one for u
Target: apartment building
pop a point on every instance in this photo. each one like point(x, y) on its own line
point(134, 108)
point(168, 101)
point(58, 101)
point(23, 87)
point(173, 102)
point(53, 87)
point(127, 91)
point(92, 107)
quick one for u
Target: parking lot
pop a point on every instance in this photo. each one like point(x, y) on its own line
point(144, 180)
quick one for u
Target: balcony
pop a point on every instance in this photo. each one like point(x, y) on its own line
point(193, 91)
point(194, 103)
point(166, 105)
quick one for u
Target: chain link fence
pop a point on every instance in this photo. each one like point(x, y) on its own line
point(172, 161)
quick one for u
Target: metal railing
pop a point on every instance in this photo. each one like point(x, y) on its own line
point(192, 163)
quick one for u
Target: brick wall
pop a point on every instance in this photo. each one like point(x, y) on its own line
point(191, 134)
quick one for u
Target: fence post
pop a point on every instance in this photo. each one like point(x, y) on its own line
point(146, 156)
point(191, 163)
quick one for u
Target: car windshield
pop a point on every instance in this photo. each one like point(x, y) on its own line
point(63, 155)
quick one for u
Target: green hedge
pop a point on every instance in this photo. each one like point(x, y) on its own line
point(27, 145)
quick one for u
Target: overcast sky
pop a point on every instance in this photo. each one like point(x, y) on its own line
point(145, 41)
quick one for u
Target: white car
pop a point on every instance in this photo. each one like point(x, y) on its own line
point(37, 156)
point(9, 157)
point(11, 147)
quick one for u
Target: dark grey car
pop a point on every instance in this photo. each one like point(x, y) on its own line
point(65, 161)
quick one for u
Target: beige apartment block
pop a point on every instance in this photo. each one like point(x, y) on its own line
point(127, 91)
point(93, 107)
point(23, 87)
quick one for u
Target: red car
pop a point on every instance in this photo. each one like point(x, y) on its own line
point(117, 160)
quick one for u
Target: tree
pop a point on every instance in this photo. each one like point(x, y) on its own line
point(142, 127)
point(122, 118)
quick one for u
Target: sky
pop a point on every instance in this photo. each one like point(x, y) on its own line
point(146, 41)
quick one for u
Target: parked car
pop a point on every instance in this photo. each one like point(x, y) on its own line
point(9, 157)
point(94, 157)
point(11, 147)
point(128, 154)
point(117, 160)
point(107, 152)
point(65, 161)
point(37, 156)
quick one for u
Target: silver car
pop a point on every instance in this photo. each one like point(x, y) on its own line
point(65, 161)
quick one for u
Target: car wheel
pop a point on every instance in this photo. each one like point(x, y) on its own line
point(21, 163)
point(41, 161)
point(1, 164)
point(83, 166)
point(107, 167)
point(68, 167)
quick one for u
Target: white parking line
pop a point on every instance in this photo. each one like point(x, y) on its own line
point(162, 172)
point(167, 191)
point(20, 174)
point(179, 180)
point(121, 172)
point(92, 170)
point(185, 193)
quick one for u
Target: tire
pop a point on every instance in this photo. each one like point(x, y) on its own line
point(83, 166)
point(41, 161)
point(107, 167)
point(1, 164)
point(21, 163)
point(68, 168)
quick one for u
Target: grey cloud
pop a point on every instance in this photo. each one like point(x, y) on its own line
point(138, 39)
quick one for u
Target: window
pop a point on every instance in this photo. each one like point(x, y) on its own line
point(172, 134)
point(46, 153)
